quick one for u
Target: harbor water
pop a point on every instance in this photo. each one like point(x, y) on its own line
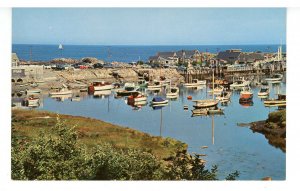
point(229, 146)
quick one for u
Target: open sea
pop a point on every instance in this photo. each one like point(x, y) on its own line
point(120, 53)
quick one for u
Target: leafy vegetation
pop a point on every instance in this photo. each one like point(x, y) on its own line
point(56, 154)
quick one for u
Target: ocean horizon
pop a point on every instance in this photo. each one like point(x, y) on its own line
point(122, 53)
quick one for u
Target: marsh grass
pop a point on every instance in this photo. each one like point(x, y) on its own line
point(93, 132)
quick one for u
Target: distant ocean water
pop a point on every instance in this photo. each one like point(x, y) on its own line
point(120, 53)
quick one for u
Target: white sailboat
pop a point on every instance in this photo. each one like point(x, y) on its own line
point(60, 47)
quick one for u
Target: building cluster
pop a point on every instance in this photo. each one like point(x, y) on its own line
point(227, 57)
point(25, 73)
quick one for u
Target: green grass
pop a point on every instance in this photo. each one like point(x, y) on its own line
point(91, 132)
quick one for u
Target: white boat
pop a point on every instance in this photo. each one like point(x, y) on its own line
point(199, 111)
point(264, 91)
point(195, 83)
point(155, 85)
point(173, 92)
point(224, 96)
point(280, 101)
point(100, 85)
point(76, 98)
point(276, 78)
point(240, 84)
point(137, 97)
point(159, 101)
point(61, 91)
point(32, 101)
point(33, 91)
point(217, 91)
point(199, 104)
point(129, 89)
point(60, 47)
point(103, 92)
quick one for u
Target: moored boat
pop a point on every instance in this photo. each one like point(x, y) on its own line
point(159, 101)
point(205, 103)
point(129, 89)
point(142, 83)
point(239, 84)
point(199, 111)
point(264, 91)
point(136, 97)
point(275, 78)
point(224, 96)
point(195, 83)
point(173, 92)
point(100, 85)
point(33, 91)
point(279, 101)
point(61, 91)
point(155, 85)
point(246, 94)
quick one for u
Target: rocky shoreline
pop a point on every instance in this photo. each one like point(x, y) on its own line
point(273, 128)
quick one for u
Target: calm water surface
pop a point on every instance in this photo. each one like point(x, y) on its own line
point(234, 147)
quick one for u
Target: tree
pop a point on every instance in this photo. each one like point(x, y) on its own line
point(53, 156)
point(125, 164)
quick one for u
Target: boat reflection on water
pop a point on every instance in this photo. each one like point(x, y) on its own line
point(102, 94)
point(246, 104)
point(61, 98)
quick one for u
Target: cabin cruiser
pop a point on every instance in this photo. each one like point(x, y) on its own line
point(275, 78)
point(129, 89)
point(155, 85)
point(173, 92)
point(246, 94)
point(224, 96)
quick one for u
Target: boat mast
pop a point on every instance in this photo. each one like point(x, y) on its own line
point(213, 81)
point(213, 129)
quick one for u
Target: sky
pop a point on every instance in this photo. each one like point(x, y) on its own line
point(149, 26)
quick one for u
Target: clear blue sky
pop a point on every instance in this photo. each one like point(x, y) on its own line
point(149, 26)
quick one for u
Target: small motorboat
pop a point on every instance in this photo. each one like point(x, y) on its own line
point(33, 91)
point(275, 78)
point(159, 101)
point(142, 83)
point(239, 84)
point(246, 94)
point(280, 101)
point(195, 83)
point(129, 89)
point(32, 101)
point(217, 91)
point(99, 86)
point(264, 91)
point(136, 97)
point(155, 85)
point(185, 107)
point(224, 96)
point(173, 92)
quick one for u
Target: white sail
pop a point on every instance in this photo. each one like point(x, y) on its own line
point(60, 47)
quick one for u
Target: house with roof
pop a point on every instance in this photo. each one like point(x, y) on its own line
point(14, 60)
point(188, 56)
point(245, 58)
point(164, 58)
point(230, 56)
